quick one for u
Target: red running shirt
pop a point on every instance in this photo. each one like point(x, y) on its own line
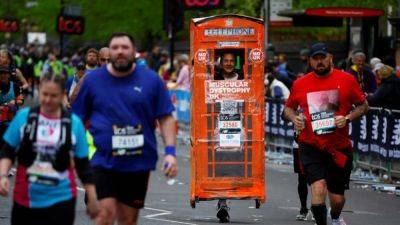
point(322, 98)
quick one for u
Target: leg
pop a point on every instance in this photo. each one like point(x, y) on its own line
point(337, 203)
point(315, 167)
point(319, 192)
point(108, 211)
point(62, 213)
point(337, 182)
point(127, 215)
point(302, 190)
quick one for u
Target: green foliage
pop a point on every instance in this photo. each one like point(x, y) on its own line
point(378, 4)
point(144, 18)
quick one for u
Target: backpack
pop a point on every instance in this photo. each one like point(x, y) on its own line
point(26, 154)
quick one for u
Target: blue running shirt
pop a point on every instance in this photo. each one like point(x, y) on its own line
point(122, 114)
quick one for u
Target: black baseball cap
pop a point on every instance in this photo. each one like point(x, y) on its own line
point(4, 69)
point(319, 49)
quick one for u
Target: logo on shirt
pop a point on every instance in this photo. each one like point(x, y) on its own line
point(138, 89)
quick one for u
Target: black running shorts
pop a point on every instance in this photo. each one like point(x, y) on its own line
point(319, 165)
point(62, 213)
point(129, 188)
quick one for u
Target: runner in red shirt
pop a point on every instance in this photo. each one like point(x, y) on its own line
point(330, 99)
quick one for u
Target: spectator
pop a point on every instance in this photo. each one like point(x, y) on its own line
point(183, 72)
point(375, 69)
point(92, 60)
point(154, 57)
point(362, 73)
point(283, 67)
point(305, 67)
point(374, 61)
point(284, 79)
point(274, 87)
point(388, 94)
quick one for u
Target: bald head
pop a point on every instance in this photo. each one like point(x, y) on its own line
point(104, 55)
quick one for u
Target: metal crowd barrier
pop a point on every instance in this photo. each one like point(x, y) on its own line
point(375, 137)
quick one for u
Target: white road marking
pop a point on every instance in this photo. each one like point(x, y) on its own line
point(161, 212)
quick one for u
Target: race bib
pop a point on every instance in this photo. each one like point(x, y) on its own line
point(230, 130)
point(323, 123)
point(127, 140)
point(44, 173)
point(227, 121)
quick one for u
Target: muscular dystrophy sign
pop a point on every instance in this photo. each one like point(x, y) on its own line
point(226, 89)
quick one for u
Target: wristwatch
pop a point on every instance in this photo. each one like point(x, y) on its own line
point(347, 120)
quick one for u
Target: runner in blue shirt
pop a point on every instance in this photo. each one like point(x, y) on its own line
point(44, 140)
point(122, 102)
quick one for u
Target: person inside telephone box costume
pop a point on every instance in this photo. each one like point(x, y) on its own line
point(228, 71)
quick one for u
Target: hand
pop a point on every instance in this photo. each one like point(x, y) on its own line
point(11, 103)
point(170, 166)
point(4, 186)
point(92, 208)
point(298, 123)
point(340, 121)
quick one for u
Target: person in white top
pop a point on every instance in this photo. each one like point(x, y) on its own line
point(274, 87)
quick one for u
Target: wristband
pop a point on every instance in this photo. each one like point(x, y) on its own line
point(170, 150)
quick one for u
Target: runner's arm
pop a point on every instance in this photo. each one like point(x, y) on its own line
point(21, 78)
point(168, 130)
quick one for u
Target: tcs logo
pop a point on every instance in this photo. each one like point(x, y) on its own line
point(203, 3)
point(70, 24)
point(8, 25)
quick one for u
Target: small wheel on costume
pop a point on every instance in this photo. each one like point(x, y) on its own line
point(193, 204)
point(258, 203)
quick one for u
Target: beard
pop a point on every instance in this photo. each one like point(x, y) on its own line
point(322, 72)
point(122, 66)
point(92, 64)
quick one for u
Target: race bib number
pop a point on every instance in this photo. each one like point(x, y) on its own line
point(44, 173)
point(323, 123)
point(127, 140)
point(227, 121)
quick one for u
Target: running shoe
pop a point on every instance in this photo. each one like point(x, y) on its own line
point(302, 215)
point(222, 213)
point(339, 221)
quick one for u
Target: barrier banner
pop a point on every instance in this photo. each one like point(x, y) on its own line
point(181, 100)
point(393, 137)
point(377, 133)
